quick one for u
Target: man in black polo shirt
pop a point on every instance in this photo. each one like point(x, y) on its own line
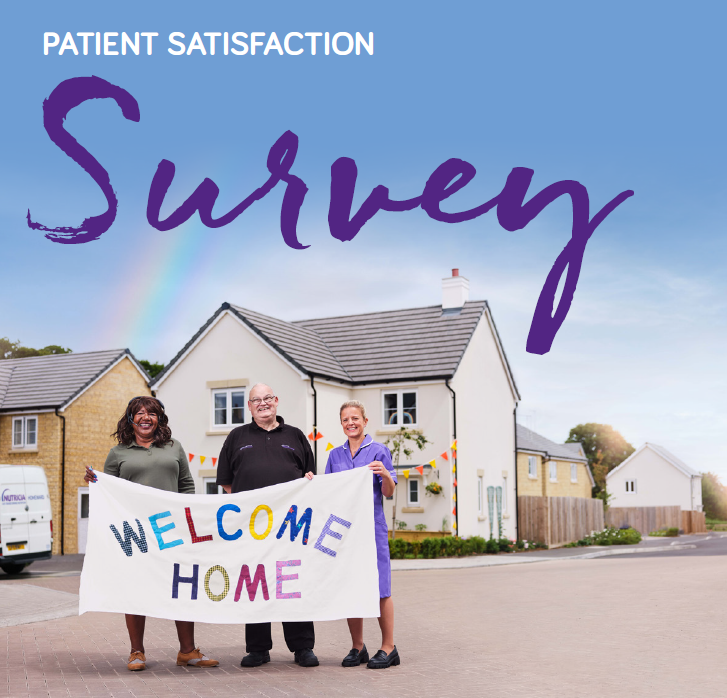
point(267, 452)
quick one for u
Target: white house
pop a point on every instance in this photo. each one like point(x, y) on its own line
point(651, 476)
point(439, 369)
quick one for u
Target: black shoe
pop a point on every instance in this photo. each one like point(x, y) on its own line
point(356, 657)
point(255, 659)
point(383, 661)
point(306, 657)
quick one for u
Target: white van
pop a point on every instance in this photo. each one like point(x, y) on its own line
point(26, 526)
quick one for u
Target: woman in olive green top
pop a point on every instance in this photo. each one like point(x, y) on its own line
point(148, 455)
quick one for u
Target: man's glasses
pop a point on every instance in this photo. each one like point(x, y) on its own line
point(257, 400)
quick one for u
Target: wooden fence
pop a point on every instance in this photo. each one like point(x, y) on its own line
point(645, 519)
point(694, 522)
point(558, 520)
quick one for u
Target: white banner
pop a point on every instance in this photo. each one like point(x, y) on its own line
point(299, 551)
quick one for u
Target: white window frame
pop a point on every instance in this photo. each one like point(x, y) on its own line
point(533, 467)
point(228, 392)
point(574, 472)
point(409, 501)
point(23, 443)
point(633, 487)
point(553, 466)
point(210, 480)
point(480, 495)
point(399, 407)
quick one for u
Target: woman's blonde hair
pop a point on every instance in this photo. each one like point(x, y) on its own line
point(353, 403)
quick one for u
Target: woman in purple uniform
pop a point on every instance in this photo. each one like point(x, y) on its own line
point(359, 451)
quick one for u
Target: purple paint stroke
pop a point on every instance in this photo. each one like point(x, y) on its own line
point(449, 178)
point(68, 95)
point(280, 159)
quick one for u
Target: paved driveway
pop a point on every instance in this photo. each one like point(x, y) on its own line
point(639, 627)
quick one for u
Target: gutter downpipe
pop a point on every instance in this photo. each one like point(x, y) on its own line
point(315, 422)
point(514, 423)
point(454, 419)
point(63, 482)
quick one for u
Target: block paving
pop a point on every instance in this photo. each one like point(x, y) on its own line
point(603, 627)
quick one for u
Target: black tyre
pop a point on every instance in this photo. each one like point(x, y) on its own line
point(13, 567)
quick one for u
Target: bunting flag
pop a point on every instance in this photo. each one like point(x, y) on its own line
point(406, 473)
point(454, 445)
point(454, 512)
point(315, 437)
point(454, 498)
point(454, 469)
point(420, 468)
point(433, 463)
point(454, 525)
point(444, 455)
point(191, 457)
point(455, 482)
point(202, 459)
point(330, 446)
point(214, 462)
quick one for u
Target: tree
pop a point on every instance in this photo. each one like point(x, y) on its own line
point(402, 443)
point(152, 369)
point(14, 350)
point(605, 448)
point(714, 497)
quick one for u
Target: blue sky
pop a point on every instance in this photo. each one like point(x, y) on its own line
point(617, 96)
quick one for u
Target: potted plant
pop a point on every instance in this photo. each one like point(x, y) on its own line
point(434, 488)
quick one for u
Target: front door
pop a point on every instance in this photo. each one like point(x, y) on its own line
point(82, 519)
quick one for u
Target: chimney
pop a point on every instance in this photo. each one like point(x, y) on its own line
point(455, 291)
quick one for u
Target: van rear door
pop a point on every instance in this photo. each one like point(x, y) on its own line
point(13, 512)
point(39, 512)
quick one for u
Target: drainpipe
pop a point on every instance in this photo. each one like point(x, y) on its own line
point(454, 415)
point(315, 422)
point(514, 424)
point(63, 482)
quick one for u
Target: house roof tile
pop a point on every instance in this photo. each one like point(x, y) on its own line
point(41, 382)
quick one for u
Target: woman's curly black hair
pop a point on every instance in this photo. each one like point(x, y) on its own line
point(124, 433)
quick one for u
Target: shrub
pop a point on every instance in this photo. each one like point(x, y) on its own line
point(421, 527)
point(668, 532)
point(398, 548)
point(433, 488)
point(430, 548)
point(401, 525)
point(612, 536)
point(505, 545)
point(492, 547)
point(479, 544)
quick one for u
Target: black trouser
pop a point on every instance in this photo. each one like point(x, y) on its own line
point(298, 636)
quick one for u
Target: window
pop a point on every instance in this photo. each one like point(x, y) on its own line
point(480, 495)
point(211, 487)
point(553, 471)
point(413, 492)
point(25, 432)
point(533, 467)
point(228, 407)
point(631, 486)
point(573, 472)
point(400, 407)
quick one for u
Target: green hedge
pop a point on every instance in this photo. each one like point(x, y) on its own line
point(451, 546)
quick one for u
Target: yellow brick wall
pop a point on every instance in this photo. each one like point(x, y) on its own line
point(564, 487)
point(527, 486)
point(47, 455)
point(543, 487)
point(90, 421)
